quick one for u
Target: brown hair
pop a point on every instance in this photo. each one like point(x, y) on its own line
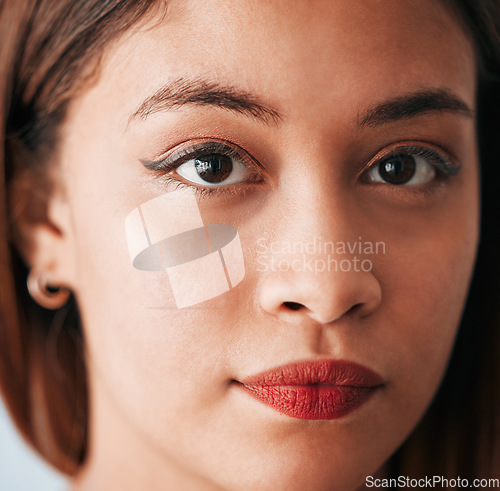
point(48, 49)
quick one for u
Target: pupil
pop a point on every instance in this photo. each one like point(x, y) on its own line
point(213, 168)
point(398, 170)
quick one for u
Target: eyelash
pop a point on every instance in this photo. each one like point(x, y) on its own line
point(164, 168)
point(437, 158)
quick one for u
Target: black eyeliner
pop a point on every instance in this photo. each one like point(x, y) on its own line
point(177, 158)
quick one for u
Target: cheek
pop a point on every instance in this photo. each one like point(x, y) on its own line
point(425, 285)
point(142, 345)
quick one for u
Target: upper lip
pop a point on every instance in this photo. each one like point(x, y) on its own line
point(318, 372)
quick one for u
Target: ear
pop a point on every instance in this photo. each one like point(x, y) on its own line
point(42, 227)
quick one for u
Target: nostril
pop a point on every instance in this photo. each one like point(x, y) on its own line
point(354, 308)
point(293, 305)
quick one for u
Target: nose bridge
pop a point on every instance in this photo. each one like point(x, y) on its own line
point(317, 209)
point(314, 193)
point(320, 212)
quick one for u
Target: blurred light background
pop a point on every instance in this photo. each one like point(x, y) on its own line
point(20, 468)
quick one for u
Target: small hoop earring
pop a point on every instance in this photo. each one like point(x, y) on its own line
point(49, 297)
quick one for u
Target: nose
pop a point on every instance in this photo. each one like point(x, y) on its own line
point(318, 266)
point(325, 296)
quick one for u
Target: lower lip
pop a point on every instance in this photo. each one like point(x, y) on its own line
point(312, 401)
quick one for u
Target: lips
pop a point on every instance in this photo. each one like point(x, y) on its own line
point(325, 389)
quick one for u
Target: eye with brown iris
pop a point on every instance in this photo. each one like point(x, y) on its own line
point(398, 169)
point(213, 168)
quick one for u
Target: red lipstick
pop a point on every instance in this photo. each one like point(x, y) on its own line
point(324, 389)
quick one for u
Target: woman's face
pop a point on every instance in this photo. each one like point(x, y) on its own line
point(346, 143)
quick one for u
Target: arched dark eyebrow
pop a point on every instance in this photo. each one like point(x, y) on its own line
point(199, 92)
point(415, 104)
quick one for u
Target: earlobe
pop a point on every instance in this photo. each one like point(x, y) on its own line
point(43, 293)
point(41, 232)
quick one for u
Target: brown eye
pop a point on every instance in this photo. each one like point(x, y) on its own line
point(409, 167)
point(398, 170)
point(214, 164)
point(213, 168)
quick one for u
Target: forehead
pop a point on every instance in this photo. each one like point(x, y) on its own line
point(312, 53)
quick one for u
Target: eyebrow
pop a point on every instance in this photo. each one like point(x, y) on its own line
point(198, 92)
point(412, 105)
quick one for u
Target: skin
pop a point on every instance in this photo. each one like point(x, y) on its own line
point(164, 411)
